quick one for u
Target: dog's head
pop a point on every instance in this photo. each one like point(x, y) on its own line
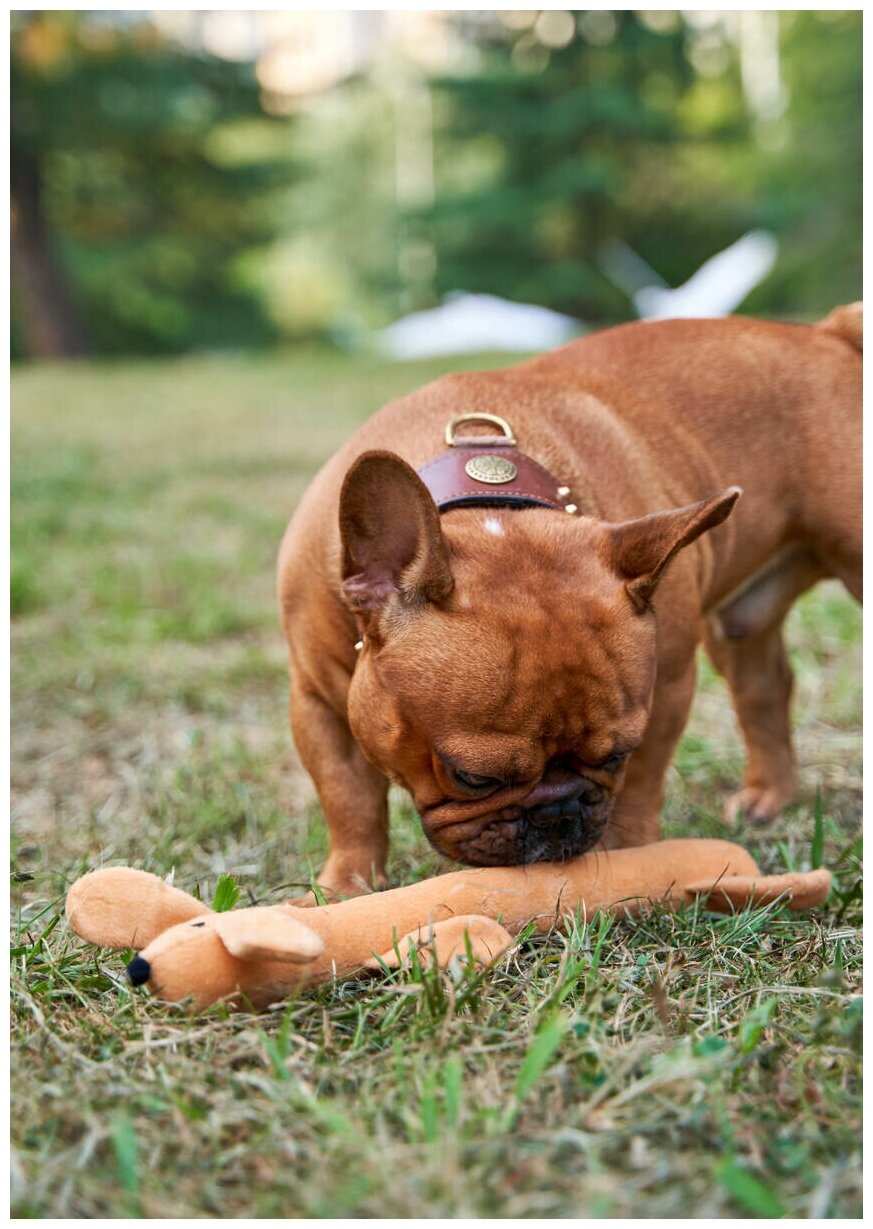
point(508, 662)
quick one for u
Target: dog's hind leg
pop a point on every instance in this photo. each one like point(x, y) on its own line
point(744, 640)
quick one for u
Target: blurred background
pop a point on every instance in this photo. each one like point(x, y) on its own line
point(235, 235)
point(231, 180)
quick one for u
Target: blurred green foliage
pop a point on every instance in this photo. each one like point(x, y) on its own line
point(581, 148)
point(622, 138)
point(809, 188)
point(125, 147)
point(161, 205)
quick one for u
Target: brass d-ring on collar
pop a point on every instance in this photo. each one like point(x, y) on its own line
point(488, 471)
point(494, 419)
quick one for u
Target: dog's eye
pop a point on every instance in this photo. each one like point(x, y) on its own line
point(471, 782)
point(475, 780)
point(612, 762)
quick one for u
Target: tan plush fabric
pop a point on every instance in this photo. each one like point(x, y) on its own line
point(121, 907)
point(261, 954)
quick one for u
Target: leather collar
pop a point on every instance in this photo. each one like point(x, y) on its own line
point(489, 471)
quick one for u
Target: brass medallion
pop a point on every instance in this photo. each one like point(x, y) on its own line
point(491, 469)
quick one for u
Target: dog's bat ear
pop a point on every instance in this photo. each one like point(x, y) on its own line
point(640, 550)
point(391, 537)
point(267, 934)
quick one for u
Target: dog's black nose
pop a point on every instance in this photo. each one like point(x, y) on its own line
point(139, 971)
point(570, 807)
point(564, 808)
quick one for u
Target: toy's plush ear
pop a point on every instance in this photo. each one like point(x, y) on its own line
point(446, 940)
point(801, 890)
point(268, 934)
point(120, 907)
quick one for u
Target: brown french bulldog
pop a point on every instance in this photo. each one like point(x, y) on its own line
point(511, 633)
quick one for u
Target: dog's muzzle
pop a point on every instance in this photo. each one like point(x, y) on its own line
point(562, 817)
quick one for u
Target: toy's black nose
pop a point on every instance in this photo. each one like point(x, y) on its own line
point(139, 971)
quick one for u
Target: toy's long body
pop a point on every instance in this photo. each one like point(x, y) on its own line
point(263, 953)
point(516, 895)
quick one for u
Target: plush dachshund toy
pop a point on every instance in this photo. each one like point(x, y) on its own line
point(257, 956)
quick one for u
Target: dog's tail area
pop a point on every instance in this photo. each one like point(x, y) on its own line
point(848, 323)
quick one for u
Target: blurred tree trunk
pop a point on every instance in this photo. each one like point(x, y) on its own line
point(48, 323)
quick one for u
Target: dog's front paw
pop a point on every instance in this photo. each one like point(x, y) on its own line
point(334, 885)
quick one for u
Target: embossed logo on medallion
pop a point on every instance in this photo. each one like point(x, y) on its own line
point(491, 469)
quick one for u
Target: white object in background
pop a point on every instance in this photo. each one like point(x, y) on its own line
point(467, 323)
point(719, 285)
point(716, 289)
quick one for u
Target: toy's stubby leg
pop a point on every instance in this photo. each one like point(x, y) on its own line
point(445, 941)
point(730, 893)
point(353, 793)
point(636, 819)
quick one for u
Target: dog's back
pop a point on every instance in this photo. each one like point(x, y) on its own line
point(847, 322)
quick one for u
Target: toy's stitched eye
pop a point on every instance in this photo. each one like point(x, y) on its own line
point(198, 923)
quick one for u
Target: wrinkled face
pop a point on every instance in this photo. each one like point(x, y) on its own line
point(510, 710)
point(508, 661)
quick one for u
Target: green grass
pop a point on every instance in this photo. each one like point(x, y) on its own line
point(679, 1066)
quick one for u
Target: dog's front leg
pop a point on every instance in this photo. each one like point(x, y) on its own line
point(353, 794)
point(636, 816)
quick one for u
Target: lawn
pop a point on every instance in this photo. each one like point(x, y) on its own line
point(680, 1066)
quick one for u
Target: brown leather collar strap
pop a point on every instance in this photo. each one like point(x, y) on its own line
point(489, 471)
